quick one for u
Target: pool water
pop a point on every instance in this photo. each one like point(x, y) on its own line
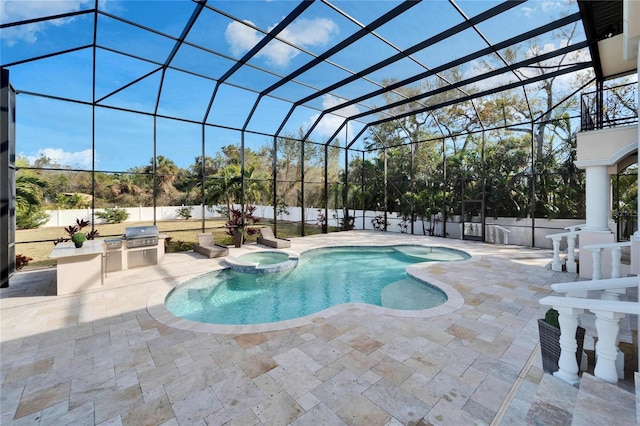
point(265, 257)
point(323, 278)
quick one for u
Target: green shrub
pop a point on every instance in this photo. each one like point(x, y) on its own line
point(31, 218)
point(79, 237)
point(551, 318)
point(113, 215)
point(178, 246)
point(184, 212)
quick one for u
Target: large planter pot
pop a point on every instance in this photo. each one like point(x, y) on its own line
point(550, 345)
point(237, 239)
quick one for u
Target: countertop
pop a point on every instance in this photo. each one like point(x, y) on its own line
point(69, 249)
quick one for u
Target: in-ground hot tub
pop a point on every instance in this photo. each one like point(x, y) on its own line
point(261, 262)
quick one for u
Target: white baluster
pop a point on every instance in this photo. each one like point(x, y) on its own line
point(597, 263)
point(556, 264)
point(571, 254)
point(616, 261)
point(567, 364)
point(606, 349)
point(614, 294)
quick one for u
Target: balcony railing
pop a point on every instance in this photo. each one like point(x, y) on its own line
point(611, 107)
point(616, 258)
point(570, 261)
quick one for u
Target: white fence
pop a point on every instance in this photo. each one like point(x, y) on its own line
point(519, 230)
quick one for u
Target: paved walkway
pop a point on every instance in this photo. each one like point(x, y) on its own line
point(101, 357)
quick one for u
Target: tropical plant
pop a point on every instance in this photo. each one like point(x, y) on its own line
point(29, 213)
point(239, 222)
point(71, 201)
point(346, 222)
point(22, 261)
point(225, 186)
point(321, 220)
point(71, 230)
point(379, 224)
point(166, 173)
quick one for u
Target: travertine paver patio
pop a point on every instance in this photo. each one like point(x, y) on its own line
point(101, 358)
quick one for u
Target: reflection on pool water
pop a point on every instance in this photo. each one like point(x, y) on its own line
point(323, 278)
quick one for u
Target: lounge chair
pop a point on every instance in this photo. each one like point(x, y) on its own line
point(207, 247)
point(268, 239)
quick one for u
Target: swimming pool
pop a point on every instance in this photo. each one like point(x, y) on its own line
point(324, 278)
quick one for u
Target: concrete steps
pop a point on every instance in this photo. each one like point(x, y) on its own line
point(595, 402)
point(603, 403)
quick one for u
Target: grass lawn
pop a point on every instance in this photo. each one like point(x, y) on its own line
point(38, 243)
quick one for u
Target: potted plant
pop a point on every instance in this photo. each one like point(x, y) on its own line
point(78, 238)
point(238, 236)
point(549, 330)
point(238, 224)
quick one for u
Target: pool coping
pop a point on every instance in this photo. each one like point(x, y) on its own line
point(157, 309)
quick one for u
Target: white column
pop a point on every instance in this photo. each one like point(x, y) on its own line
point(598, 199)
point(597, 263)
point(556, 263)
point(636, 235)
point(567, 364)
point(606, 350)
point(571, 254)
point(616, 262)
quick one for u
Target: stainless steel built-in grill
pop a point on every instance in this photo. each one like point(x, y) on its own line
point(113, 243)
point(141, 236)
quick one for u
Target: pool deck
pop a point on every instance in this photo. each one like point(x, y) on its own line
point(115, 356)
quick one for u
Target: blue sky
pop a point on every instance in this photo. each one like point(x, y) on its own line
point(63, 131)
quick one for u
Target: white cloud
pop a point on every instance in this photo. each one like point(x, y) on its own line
point(74, 160)
point(304, 33)
point(526, 11)
point(546, 7)
point(14, 11)
point(551, 6)
point(330, 122)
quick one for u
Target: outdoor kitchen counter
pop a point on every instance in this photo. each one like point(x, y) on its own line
point(84, 268)
point(79, 269)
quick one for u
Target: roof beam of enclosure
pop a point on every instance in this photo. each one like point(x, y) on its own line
point(47, 18)
point(186, 71)
point(186, 42)
point(371, 30)
point(503, 7)
point(365, 30)
point(398, 10)
point(131, 83)
point(469, 22)
point(190, 23)
point(495, 51)
point(481, 77)
point(504, 44)
point(376, 35)
point(568, 70)
point(282, 25)
point(48, 55)
point(470, 57)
